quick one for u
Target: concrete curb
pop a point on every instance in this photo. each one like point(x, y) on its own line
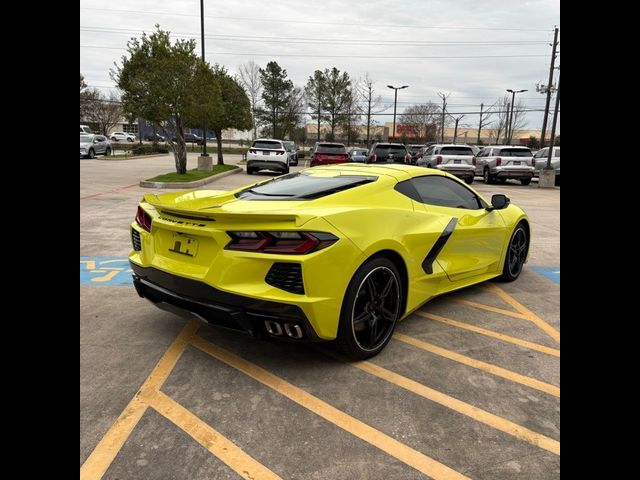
point(133, 157)
point(195, 183)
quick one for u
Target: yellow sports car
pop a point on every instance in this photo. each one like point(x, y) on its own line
point(332, 252)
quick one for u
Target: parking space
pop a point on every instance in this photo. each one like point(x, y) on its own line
point(467, 388)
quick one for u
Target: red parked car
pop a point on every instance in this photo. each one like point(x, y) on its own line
point(326, 153)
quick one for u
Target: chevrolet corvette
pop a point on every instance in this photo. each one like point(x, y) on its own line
point(339, 252)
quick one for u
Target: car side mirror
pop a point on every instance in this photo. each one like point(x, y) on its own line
point(499, 201)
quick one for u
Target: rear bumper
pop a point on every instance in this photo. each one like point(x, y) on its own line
point(458, 170)
point(188, 298)
point(267, 164)
point(505, 172)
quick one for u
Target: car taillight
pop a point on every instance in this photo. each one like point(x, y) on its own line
point(279, 153)
point(251, 150)
point(438, 159)
point(533, 162)
point(498, 161)
point(294, 243)
point(373, 158)
point(143, 219)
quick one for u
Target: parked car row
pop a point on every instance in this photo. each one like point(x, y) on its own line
point(541, 158)
point(271, 154)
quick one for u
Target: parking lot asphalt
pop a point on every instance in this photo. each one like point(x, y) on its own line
point(467, 388)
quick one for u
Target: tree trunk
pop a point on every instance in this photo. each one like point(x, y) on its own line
point(180, 149)
point(219, 142)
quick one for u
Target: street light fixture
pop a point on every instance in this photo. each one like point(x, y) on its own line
point(513, 99)
point(395, 102)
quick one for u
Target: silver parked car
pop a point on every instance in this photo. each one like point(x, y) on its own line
point(292, 151)
point(500, 162)
point(454, 159)
point(92, 145)
point(357, 154)
point(541, 161)
point(267, 154)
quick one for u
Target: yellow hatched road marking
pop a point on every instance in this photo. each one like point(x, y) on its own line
point(489, 308)
point(98, 462)
point(487, 367)
point(402, 452)
point(217, 444)
point(544, 326)
point(459, 406)
point(490, 333)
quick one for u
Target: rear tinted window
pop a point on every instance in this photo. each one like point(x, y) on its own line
point(515, 152)
point(331, 148)
point(303, 186)
point(385, 150)
point(456, 151)
point(267, 144)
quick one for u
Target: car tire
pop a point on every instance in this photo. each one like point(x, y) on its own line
point(91, 153)
point(486, 176)
point(285, 171)
point(369, 315)
point(107, 152)
point(516, 254)
point(525, 181)
point(468, 180)
point(249, 171)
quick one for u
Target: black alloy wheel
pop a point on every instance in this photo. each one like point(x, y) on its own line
point(371, 309)
point(516, 254)
point(92, 153)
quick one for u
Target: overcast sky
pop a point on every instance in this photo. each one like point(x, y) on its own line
point(506, 43)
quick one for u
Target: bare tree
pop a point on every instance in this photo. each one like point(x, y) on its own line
point(485, 118)
point(249, 78)
point(372, 104)
point(455, 131)
point(421, 121)
point(503, 106)
point(502, 116)
point(87, 98)
point(106, 112)
point(351, 118)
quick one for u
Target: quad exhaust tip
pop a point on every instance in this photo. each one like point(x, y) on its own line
point(290, 329)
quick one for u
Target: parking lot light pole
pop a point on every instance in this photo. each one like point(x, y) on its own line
point(395, 102)
point(513, 100)
point(547, 177)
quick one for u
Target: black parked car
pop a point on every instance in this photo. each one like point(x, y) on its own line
point(190, 138)
point(389, 153)
point(149, 137)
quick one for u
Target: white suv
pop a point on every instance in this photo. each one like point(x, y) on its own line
point(500, 162)
point(122, 137)
point(455, 159)
point(267, 154)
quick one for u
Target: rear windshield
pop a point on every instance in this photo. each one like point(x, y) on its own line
point(289, 145)
point(302, 186)
point(359, 152)
point(456, 151)
point(267, 144)
point(516, 152)
point(390, 149)
point(331, 148)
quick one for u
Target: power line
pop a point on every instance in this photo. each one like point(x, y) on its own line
point(280, 20)
point(324, 41)
point(305, 55)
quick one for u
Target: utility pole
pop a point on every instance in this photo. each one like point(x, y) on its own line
point(480, 124)
point(549, 84)
point(455, 131)
point(548, 174)
point(444, 109)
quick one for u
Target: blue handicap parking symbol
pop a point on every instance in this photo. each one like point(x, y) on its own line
point(552, 273)
point(105, 271)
